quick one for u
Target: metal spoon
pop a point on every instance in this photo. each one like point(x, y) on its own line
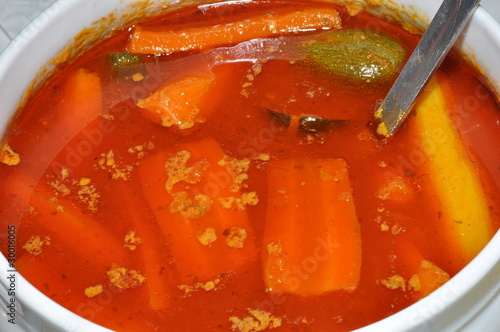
point(442, 33)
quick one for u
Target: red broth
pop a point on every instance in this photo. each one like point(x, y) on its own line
point(104, 230)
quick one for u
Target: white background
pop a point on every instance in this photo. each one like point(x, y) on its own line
point(15, 14)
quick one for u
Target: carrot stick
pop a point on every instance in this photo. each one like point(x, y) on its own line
point(312, 240)
point(80, 104)
point(80, 234)
point(199, 38)
point(183, 187)
point(423, 277)
point(155, 266)
point(177, 103)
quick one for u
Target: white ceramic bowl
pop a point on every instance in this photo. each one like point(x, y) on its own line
point(468, 302)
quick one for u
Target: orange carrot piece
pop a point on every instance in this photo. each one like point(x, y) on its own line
point(199, 38)
point(207, 236)
point(312, 241)
point(80, 104)
point(79, 233)
point(177, 103)
point(428, 278)
point(155, 266)
point(423, 277)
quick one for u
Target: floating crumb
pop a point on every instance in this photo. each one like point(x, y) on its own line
point(132, 240)
point(109, 117)
point(35, 244)
point(256, 69)
point(88, 194)
point(383, 130)
point(235, 237)
point(137, 77)
point(262, 156)
point(395, 282)
point(249, 198)
point(108, 162)
point(123, 278)
point(8, 156)
point(245, 93)
point(64, 173)
point(396, 229)
point(84, 182)
point(274, 249)
point(206, 286)
point(177, 170)
point(185, 206)
point(60, 188)
point(93, 291)
point(414, 283)
point(258, 320)
point(238, 168)
point(208, 237)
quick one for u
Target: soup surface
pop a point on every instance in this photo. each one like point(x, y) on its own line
point(209, 169)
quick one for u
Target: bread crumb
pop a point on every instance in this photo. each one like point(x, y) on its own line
point(93, 291)
point(187, 208)
point(109, 163)
point(64, 173)
point(137, 77)
point(395, 282)
point(414, 283)
point(84, 182)
point(258, 320)
point(256, 69)
point(35, 244)
point(208, 237)
point(206, 286)
point(262, 156)
point(88, 194)
point(132, 240)
point(238, 169)
point(108, 117)
point(249, 198)
point(123, 278)
point(8, 156)
point(384, 227)
point(396, 229)
point(60, 188)
point(274, 249)
point(177, 171)
point(235, 237)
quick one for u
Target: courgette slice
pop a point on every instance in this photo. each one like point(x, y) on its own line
point(356, 56)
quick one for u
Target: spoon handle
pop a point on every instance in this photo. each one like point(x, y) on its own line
point(440, 36)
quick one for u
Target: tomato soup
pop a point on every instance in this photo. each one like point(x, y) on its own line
point(217, 167)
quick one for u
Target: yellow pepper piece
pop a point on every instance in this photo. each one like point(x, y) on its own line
point(462, 199)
